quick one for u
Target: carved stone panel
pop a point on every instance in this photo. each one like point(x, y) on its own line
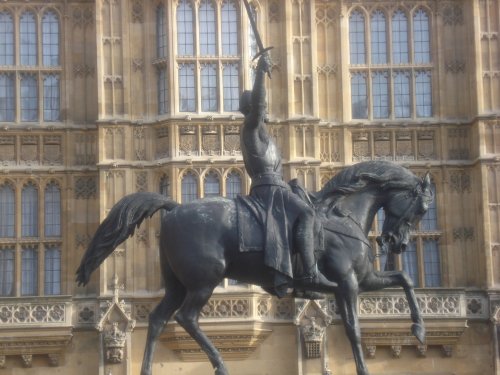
point(85, 187)
point(232, 140)
point(52, 150)
point(162, 143)
point(210, 140)
point(139, 143)
point(141, 181)
point(404, 146)
point(360, 146)
point(8, 150)
point(460, 182)
point(85, 147)
point(188, 140)
point(330, 146)
point(114, 139)
point(458, 143)
point(30, 150)
point(382, 146)
point(426, 145)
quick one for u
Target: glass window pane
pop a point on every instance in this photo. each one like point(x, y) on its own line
point(357, 38)
point(359, 101)
point(209, 97)
point(6, 39)
point(187, 88)
point(207, 28)
point(28, 39)
point(378, 38)
point(161, 32)
point(402, 103)
point(189, 188)
point(233, 185)
point(29, 211)
point(7, 100)
point(429, 220)
point(162, 91)
point(7, 272)
point(164, 186)
point(51, 98)
point(231, 87)
point(52, 271)
point(29, 98)
point(421, 37)
point(52, 211)
point(380, 94)
point(432, 263)
point(185, 36)
point(212, 185)
point(29, 272)
point(410, 262)
point(50, 39)
point(7, 211)
point(423, 93)
point(399, 38)
point(229, 27)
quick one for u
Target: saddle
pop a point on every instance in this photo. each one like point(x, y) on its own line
point(251, 216)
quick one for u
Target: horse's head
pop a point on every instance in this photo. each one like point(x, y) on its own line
point(403, 210)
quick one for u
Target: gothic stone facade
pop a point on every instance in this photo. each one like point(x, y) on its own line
point(99, 99)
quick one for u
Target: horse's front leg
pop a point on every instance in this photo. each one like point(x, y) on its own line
point(381, 280)
point(347, 298)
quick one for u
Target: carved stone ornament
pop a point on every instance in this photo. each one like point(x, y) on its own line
point(114, 325)
point(114, 342)
point(313, 321)
point(85, 187)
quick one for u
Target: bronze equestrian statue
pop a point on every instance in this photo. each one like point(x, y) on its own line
point(200, 246)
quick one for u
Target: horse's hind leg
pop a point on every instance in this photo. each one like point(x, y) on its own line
point(187, 317)
point(157, 319)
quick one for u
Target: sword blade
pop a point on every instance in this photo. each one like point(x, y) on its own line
point(254, 26)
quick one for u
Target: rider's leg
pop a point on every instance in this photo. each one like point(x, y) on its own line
point(304, 241)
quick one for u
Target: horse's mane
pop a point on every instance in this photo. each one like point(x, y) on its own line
point(384, 175)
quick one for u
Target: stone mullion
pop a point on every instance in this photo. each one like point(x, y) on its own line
point(420, 261)
point(220, 65)
point(17, 249)
point(41, 237)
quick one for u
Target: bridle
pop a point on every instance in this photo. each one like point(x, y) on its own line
point(416, 193)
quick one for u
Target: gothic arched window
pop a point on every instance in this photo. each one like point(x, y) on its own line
point(189, 188)
point(211, 185)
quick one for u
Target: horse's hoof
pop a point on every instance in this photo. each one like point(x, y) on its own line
point(418, 331)
point(221, 371)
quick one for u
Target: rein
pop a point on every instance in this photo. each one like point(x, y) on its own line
point(358, 238)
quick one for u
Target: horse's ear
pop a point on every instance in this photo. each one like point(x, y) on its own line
point(426, 182)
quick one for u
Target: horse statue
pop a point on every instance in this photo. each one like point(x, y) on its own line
point(199, 247)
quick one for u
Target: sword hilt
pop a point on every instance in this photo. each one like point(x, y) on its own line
point(261, 52)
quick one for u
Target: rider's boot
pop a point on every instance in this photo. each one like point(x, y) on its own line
point(312, 278)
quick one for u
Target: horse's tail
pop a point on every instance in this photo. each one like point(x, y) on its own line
point(121, 222)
